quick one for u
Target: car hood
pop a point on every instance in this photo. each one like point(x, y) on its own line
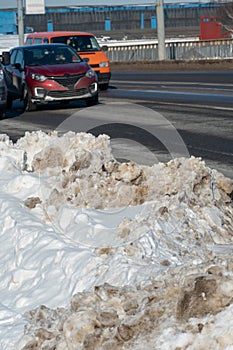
point(94, 57)
point(60, 69)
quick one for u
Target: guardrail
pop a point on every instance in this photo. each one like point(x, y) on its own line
point(174, 50)
point(147, 49)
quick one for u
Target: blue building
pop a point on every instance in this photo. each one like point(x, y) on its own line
point(109, 18)
point(8, 22)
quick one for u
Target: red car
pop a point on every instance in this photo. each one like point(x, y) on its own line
point(44, 73)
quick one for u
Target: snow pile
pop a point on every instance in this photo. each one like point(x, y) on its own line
point(143, 253)
point(161, 315)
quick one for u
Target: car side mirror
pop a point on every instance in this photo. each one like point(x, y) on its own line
point(18, 66)
point(6, 58)
point(86, 59)
point(104, 48)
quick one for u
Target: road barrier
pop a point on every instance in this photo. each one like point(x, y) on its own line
point(147, 49)
point(175, 50)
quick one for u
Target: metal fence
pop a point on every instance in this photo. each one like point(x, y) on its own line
point(174, 50)
point(121, 18)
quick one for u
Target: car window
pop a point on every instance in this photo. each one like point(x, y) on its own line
point(45, 55)
point(60, 39)
point(94, 43)
point(29, 41)
point(13, 57)
point(29, 57)
point(78, 42)
point(19, 58)
point(38, 41)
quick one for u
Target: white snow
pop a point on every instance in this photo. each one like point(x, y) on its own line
point(9, 41)
point(97, 254)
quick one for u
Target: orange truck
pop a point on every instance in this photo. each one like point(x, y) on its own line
point(85, 44)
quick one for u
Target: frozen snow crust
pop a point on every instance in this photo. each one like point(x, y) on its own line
point(97, 254)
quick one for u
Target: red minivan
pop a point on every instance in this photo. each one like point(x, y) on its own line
point(45, 73)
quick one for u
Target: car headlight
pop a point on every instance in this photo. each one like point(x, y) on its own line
point(90, 73)
point(38, 77)
point(103, 64)
point(1, 73)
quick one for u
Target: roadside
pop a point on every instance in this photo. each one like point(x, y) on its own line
point(176, 65)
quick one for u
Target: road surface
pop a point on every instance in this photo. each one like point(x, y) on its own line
point(194, 117)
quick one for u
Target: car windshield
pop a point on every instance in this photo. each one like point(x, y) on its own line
point(45, 55)
point(80, 43)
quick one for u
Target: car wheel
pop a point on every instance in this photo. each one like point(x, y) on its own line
point(91, 101)
point(103, 86)
point(9, 102)
point(2, 115)
point(27, 100)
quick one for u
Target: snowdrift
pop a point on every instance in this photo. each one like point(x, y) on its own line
point(98, 254)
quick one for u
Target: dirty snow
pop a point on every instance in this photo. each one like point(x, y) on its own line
point(97, 254)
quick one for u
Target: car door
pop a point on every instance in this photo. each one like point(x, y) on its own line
point(18, 73)
point(14, 72)
point(8, 73)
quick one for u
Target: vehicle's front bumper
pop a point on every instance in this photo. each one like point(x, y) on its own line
point(103, 78)
point(42, 95)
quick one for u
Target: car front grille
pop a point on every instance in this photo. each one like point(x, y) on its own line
point(103, 76)
point(68, 93)
point(68, 80)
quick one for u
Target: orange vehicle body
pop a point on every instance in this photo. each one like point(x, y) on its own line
point(85, 44)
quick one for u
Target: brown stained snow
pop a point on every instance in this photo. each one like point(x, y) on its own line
point(206, 295)
point(117, 318)
point(191, 213)
point(81, 170)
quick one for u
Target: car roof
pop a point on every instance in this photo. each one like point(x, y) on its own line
point(40, 46)
point(56, 34)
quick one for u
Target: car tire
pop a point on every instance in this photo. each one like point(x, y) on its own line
point(103, 86)
point(29, 106)
point(2, 115)
point(9, 102)
point(91, 101)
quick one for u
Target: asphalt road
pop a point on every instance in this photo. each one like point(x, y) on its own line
point(143, 126)
point(204, 88)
